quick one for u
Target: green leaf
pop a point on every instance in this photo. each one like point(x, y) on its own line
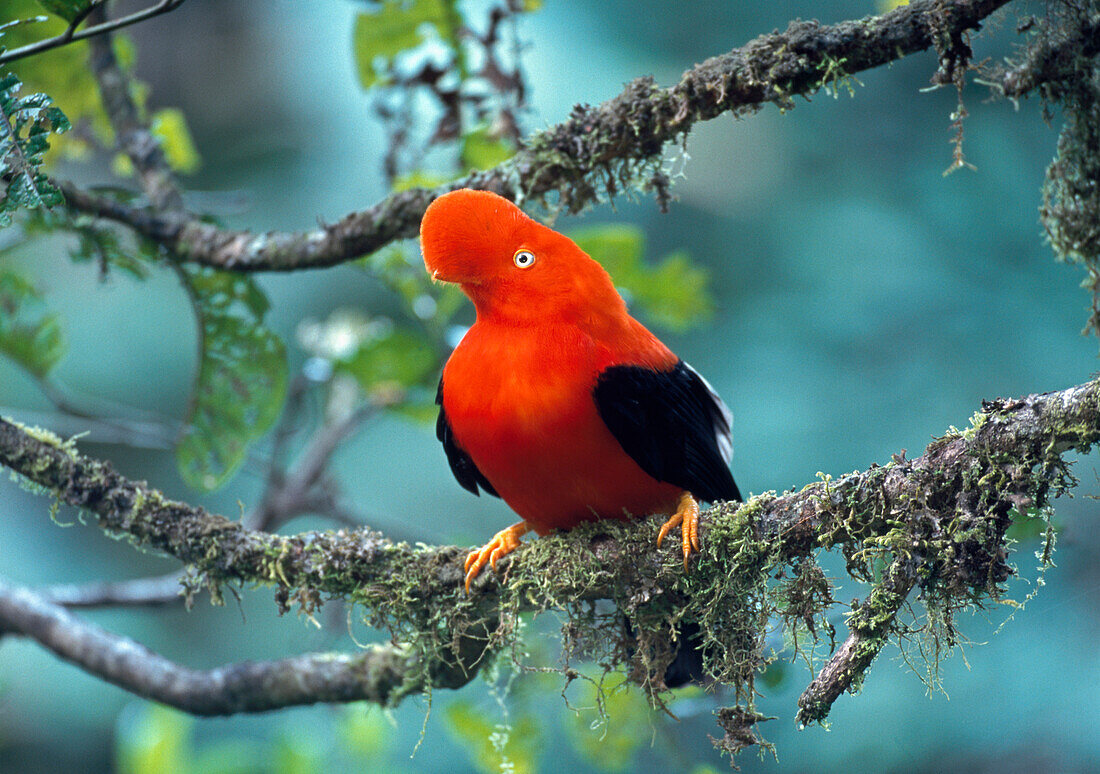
point(674, 293)
point(29, 335)
point(170, 127)
point(26, 124)
point(364, 731)
point(420, 178)
point(495, 747)
point(380, 36)
point(399, 358)
point(482, 151)
point(242, 377)
point(610, 738)
point(153, 739)
point(66, 9)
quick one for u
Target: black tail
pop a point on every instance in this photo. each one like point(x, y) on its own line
point(687, 666)
point(687, 662)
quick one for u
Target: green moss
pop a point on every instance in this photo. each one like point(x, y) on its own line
point(834, 77)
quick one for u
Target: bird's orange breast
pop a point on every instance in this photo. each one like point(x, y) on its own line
point(519, 402)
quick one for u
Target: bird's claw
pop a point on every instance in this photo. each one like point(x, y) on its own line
point(503, 543)
point(687, 518)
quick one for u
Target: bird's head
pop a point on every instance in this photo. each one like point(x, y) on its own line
point(508, 264)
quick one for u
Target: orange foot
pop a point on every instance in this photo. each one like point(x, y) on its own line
point(687, 514)
point(503, 543)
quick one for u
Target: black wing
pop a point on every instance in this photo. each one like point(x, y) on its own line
point(462, 466)
point(672, 424)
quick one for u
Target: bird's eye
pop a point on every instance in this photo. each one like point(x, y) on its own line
point(524, 258)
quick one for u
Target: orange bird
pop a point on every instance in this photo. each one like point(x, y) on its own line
point(557, 400)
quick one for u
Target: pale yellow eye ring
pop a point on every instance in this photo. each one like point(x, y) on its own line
point(524, 259)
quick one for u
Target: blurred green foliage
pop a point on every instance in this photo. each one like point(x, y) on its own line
point(242, 376)
point(495, 747)
point(62, 73)
point(381, 35)
point(153, 739)
point(66, 9)
point(611, 722)
point(29, 335)
point(170, 127)
point(672, 293)
point(399, 358)
point(480, 150)
point(104, 246)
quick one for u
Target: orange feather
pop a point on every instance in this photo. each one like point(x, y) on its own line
point(518, 389)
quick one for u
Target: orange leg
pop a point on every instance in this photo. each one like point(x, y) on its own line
point(687, 514)
point(503, 543)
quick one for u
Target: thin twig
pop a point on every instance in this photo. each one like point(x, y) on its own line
point(291, 493)
point(70, 35)
point(107, 430)
point(139, 592)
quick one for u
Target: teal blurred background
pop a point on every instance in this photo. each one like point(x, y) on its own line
point(865, 302)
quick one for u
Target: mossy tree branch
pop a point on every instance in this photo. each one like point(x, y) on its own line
point(870, 628)
point(598, 149)
point(937, 521)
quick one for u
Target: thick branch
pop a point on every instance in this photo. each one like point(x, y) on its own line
point(941, 516)
point(596, 149)
point(1050, 57)
point(1019, 440)
point(379, 674)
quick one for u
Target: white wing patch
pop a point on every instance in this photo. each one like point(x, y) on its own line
point(723, 424)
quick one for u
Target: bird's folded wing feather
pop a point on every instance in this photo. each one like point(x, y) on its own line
point(673, 424)
point(463, 467)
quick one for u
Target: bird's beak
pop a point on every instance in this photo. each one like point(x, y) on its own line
point(441, 276)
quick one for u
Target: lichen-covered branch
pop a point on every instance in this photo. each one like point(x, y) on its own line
point(870, 627)
point(1065, 62)
point(382, 674)
point(936, 522)
point(598, 149)
point(1057, 52)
